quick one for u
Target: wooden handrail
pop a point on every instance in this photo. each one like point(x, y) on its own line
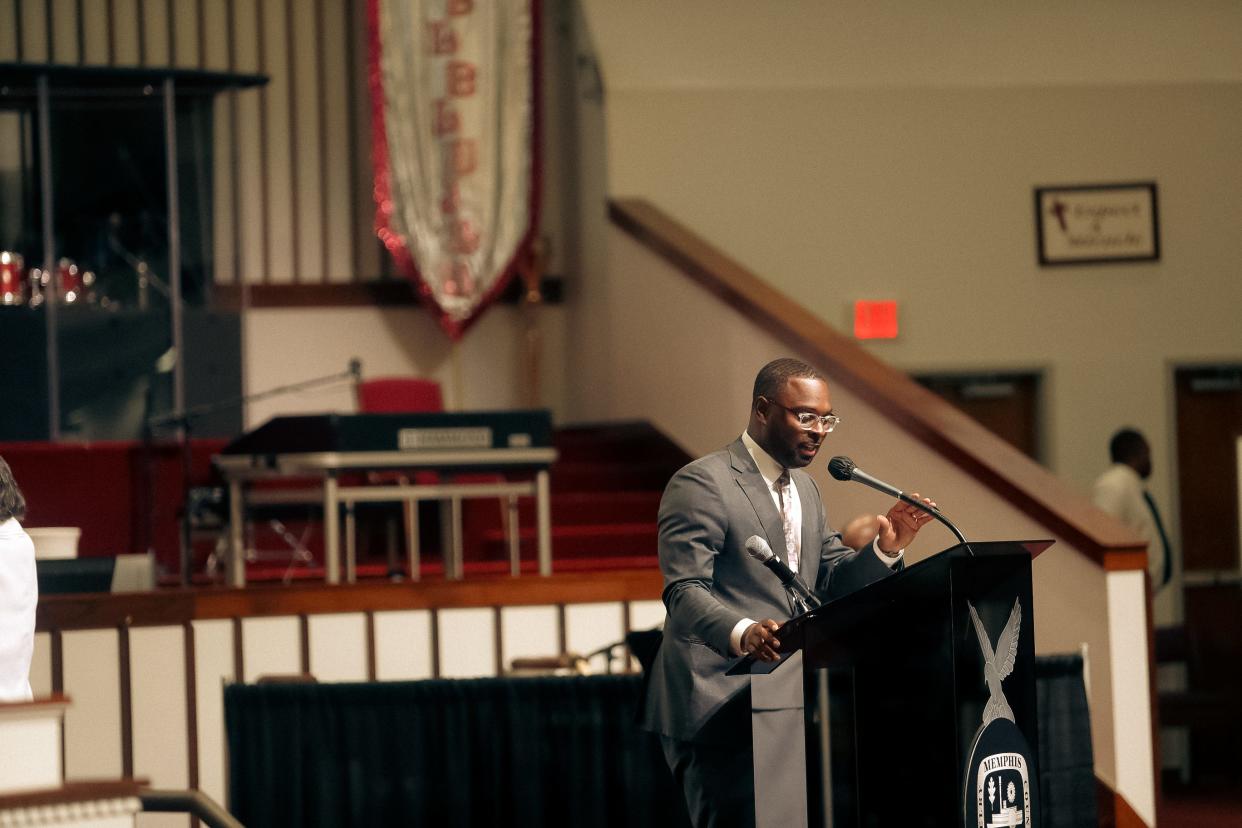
point(919, 412)
point(178, 606)
point(70, 792)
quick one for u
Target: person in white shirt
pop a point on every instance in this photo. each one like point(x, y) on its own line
point(1120, 492)
point(19, 592)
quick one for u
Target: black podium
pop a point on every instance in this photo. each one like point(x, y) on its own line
point(919, 697)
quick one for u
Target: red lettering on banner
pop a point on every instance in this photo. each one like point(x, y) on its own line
point(459, 77)
point(463, 155)
point(446, 119)
point(443, 38)
point(457, 277)
point(457, 8)
point(452, 197)
point(465, 237)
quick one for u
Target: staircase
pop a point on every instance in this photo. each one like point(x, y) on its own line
point(606, 488)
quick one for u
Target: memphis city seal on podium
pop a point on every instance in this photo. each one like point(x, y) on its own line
point(1000, 787)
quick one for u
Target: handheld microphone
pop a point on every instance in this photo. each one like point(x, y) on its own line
point(843, 468)
point(758, 549)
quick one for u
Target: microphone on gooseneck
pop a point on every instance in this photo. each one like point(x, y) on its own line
point(843, 468)
point(758, 549)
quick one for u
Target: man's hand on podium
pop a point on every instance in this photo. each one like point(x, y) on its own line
point(760, 642)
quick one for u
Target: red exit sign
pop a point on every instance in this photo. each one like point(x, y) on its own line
point(875, 319)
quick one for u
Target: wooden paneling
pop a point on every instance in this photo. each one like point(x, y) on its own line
point(336, 74)
point(279, 149)
point(591, 627)
point(66, 45)
point(179, 649)
point(306, 141)
point(127, 38)
point(158, 702)
point(403, 645)
point(66, 612)
point(467, 646)
point(41, 666)
point(646, 614)
point(33, 33)
point(270, 647)
point(156, 43)
point(96, 33)
point(338, 646)
point(93, 744)
point(529, 632)
point(187, 28)
point(10, 30)
point(213, 667)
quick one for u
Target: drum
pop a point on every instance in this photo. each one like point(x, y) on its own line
point(12, 279)
point(73, 284)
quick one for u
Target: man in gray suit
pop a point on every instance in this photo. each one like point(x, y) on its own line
point(714, 590)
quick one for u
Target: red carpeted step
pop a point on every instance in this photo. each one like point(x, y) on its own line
point(603, 541)
point(638, 474)
point(570, 508)
point(617, 443)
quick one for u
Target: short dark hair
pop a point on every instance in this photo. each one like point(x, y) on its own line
point(12, 504)
point(773, 376)
point(1126, 445)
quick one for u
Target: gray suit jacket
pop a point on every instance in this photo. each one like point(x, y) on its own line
point(709, 509)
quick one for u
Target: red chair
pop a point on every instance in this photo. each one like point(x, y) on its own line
point(394, 395)
point(409, 395)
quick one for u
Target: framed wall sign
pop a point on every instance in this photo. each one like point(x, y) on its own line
point(1097, 223)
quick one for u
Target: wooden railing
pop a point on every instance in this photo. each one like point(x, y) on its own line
point(179, 606)
point(922, 414)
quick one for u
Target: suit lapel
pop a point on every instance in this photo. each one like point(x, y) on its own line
point(751, 482)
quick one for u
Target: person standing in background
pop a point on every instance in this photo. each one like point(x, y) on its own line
point(1120, 491)
point(19, 592)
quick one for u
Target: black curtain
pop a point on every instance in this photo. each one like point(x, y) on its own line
point(522, 752)
point(486, 752)
point(1066, 763)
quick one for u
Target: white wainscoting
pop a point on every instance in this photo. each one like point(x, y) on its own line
point(177, 673)
point(403, 645)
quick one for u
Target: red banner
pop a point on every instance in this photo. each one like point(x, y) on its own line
point(455, 121)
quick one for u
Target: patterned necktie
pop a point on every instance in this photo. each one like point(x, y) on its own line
point(784, 493)
point(1166, 573)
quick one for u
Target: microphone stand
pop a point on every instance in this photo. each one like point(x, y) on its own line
point(183, 420)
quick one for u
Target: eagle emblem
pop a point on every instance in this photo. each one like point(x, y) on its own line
point(998, 663)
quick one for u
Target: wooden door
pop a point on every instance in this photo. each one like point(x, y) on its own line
point(1209, 422)
point(1007, 404)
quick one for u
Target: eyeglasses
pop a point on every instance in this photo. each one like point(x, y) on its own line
point(807, 420)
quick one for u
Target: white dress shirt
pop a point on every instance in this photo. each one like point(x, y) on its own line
point(1119, 491)
point(19, 593)
point(770, 470)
